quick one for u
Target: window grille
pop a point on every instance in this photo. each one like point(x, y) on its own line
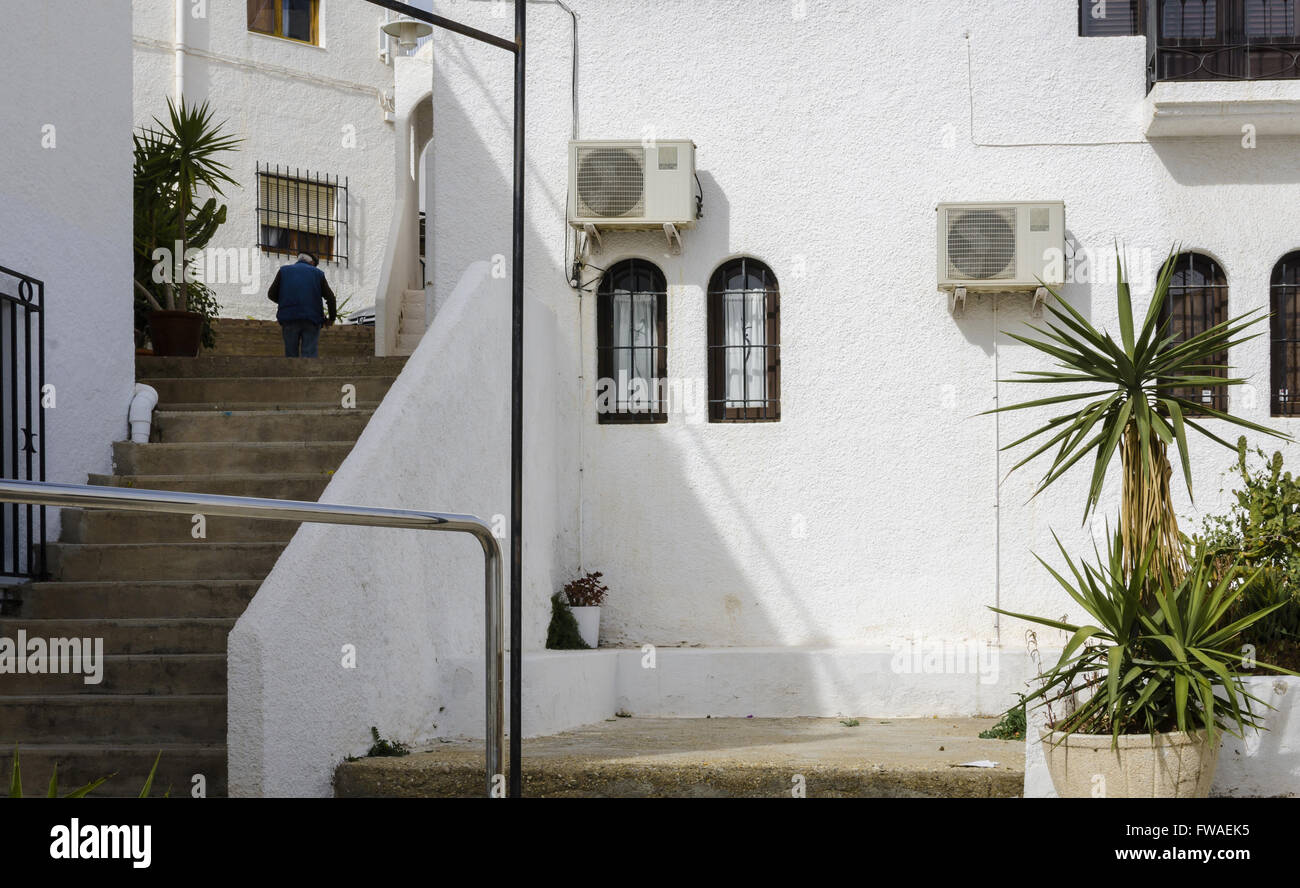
point(301, 212)
point(744, 305)
point(1285, 293)
point(632, 343)
point(1197, 301)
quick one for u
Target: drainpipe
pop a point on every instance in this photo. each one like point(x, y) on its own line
point(141, 412)
point(180, 51)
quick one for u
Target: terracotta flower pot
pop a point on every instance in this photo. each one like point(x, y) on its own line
point(176, 334)
point(1143, 766)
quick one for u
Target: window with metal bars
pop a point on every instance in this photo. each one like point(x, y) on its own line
point(1285, 303)
point(632, 343)
point(1110, 18)
point(1198, 301)
point(302, 212)
point(291, 19)
point(744, 313)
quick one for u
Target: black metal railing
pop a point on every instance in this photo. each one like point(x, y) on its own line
point(1222, 40)
point(22, 419)
point(299, 211)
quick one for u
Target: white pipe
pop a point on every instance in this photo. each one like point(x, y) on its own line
point(143, 402)
point(180, 51)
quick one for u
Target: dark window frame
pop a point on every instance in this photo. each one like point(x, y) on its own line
point(624, 272)
point(1211, 292)
point(278, 25)
point(768, 407)
point(1137, 11)
point(1284, 338)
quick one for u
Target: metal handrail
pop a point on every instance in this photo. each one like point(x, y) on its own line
point(93, 497)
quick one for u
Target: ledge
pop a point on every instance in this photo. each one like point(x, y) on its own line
point(1221, 108)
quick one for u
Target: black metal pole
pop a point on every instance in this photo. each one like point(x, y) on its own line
point(517, 425)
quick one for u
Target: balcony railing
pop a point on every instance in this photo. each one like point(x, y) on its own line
point(1222, 40)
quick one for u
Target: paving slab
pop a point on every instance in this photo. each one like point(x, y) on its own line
point(719, 757)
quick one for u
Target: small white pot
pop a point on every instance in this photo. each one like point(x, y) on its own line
point(1144, 766)
point(588, 624)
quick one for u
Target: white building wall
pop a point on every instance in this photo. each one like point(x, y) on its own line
point(827, 132)
point(65, 215)
point(325, 118)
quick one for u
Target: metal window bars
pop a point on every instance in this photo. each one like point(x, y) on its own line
point(1285, 323)
point(1197, 301)
point(302, 212)
point(22, 419)
point(744, 290)
point(91, 497)
point(1222, 40)
point(632, 343)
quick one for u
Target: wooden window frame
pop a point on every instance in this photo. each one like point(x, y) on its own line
point(1213, 310)
point(605, 338)
point(1284, 339)
point(278, 26)
point(769, 408)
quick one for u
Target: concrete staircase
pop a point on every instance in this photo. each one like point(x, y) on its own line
point(237, 421)
point(410, 327)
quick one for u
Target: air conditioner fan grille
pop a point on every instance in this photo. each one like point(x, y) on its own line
point(982, 244)
point(611, 182)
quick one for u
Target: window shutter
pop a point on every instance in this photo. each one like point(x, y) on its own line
point(297, 205)
point(1270, 18)
point(1113, 18)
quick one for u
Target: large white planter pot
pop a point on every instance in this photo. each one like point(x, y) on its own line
point(1142, 766)
point(588, 624)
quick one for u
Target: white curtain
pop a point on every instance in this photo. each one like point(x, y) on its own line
point(745, 333)
point(636, 356)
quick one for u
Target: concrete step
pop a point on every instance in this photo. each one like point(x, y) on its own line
point(111, 525)
point(718, 757)
point(135, 599)
point(228, 457)
point(121, 719)
point(335, 424)
point(147, 367)
point(297, 486)
point(257, 337)
point(83, 763)
point(265, 406)
point(141, 674)
point(162, 561)
point(144, 636)
point(327, 391)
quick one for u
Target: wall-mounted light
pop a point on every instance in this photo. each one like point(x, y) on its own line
point(407, 31)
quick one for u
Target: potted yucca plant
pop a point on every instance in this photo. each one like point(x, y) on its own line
point(1139, 695)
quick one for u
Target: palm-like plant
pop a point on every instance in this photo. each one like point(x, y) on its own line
point(172, 162)
point(1173, 667)
point(1133, 407)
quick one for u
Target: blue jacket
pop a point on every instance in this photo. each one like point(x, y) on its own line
point(302, 293)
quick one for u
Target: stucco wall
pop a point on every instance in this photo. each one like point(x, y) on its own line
point(65, 215)
point(328, 121)
point(410, 603)
point(871, 512)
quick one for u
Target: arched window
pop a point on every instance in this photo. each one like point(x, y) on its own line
point(1197, 301)
point(1285, 293)
point(744, 306)
point(632, 343)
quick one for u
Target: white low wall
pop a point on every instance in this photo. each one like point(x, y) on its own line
point(409, 603)
point(1265, 763)
point(567, 689)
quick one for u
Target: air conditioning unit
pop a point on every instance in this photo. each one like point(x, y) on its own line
point(632, 185)
point(1001, 247)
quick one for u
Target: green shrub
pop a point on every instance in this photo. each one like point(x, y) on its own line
point(1012, 725)
point(563, 634)
point(1262, 530)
